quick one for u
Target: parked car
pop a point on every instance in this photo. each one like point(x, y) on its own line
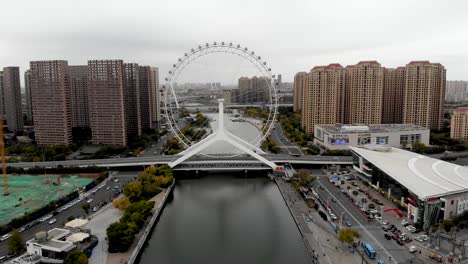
point(400, 242)
point(436, 257)
point(52, 221)
point(388, 236)
point(348, 224)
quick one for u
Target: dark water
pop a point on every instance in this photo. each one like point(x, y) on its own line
point(225, 219)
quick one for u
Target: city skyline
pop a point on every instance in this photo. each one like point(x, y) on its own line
point(124, 34)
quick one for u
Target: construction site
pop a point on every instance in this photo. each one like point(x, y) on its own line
point(27, 193)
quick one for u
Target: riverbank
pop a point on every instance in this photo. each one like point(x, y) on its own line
point(160, 201)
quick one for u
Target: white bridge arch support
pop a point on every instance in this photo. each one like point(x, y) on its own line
point(221, 135)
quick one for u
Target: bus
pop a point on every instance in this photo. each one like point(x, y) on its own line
point(369, 250)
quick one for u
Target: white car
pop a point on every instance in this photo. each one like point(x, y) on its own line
point(5, 237)
point(413, 249)
point(52, 221)
point(89, 200)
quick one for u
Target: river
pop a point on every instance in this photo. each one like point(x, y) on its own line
point(222, 218)
point(226, 218)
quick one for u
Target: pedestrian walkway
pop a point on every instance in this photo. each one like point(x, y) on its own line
point(318, 236)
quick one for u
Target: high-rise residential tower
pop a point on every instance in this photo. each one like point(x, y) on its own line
point(322, 96)
point(106, 101)
point(299, 82)
point(50, 93)
point(2, 104)
point(79, 96)
point(364, 91)
point(155, 103)
point(457, 91)
point(392, 103)
point(132, 99)
point(424, 94)
point(459, 124)
point(27, 87)
point(145, 97)
point(12, 98)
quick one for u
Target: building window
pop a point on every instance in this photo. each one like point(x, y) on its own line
point(382, 140)
point(364, 140)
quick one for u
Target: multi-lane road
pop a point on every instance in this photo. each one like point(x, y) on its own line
point(371, 232)
point(104, 194)
point(286, 146)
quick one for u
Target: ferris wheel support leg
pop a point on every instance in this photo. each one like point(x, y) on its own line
point(257, 149)
point(194, 150)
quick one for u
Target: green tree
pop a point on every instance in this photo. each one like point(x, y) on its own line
point(86, 206)
point(305, 176)
point(16, 243)
point(120, 236)
point(76, 257)
point(419, 147)
point(134, 191)
point(347, 235)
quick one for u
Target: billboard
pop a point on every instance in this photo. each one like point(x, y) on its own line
point(338, 140)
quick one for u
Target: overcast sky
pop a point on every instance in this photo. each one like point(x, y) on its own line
point(291, 35)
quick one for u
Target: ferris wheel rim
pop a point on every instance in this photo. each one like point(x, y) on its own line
point(202, 51)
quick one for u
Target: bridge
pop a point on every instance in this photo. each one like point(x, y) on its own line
point(199, 162)
point(191, 159)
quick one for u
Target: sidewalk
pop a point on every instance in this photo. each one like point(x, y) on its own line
point(318, 235)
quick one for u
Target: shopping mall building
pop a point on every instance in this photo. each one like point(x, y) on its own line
point(429, 189)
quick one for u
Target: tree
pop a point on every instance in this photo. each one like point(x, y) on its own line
point(16, 243)
point(419, 147)
point(120, 236)
point(305, 176)
point(86, 206)
point(121, 203)
point(134, 191)
point(76, 257)
point(347, 235)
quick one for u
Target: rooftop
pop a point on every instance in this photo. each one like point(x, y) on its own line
point(424, 176)
point(380, 128)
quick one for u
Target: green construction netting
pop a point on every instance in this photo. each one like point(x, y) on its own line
point(28, 193)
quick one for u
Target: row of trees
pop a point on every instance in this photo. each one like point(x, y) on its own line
point(136, 206)
point(270, 145)
point(35, 153)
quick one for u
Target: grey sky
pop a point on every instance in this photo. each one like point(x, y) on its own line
point(292, 35)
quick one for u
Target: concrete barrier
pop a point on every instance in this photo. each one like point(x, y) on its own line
point(136, 252)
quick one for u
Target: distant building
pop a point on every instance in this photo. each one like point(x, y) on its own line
point(155, 103)
point(322, 93)
point(459, 124)
point(299, 82)
point(392, 103)
point(2, 104)
point(457, 91)
point(106, 100)
point(254, 90)
point(372, 94)
point(424, 94)
point(364, 93)
point(340, 137)
point(79, 96)
point(132, 99)
point(50, 93)
point(12, 98)
point(28, 103)
point(227, 96)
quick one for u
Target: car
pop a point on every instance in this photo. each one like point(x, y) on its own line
point(94, 192)
point(388, 236)
point(21, 229)
point(348, 224)
point(395, 237)
point(108, 188)
point(373, 211)
point(5, 237)
point(385, 222)
point(52, 221)
point(95, 208)
point(89, 200)
point(27, 226)
point(400, 242)
point(116, 180)
point(378, 218)
point(436, 257)
point(333, 216)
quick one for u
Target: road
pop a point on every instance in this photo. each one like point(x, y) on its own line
point(287, 147)
point(101, 195)
point(165, 159)
point(371, 232)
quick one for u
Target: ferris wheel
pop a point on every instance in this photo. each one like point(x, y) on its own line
point(171, 97)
